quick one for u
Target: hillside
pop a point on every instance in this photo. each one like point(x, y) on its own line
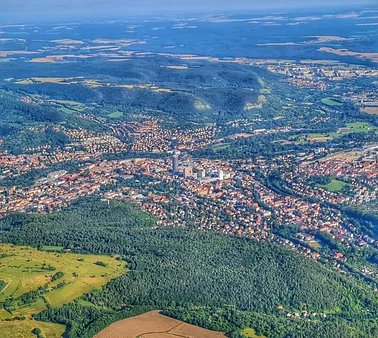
point(182, 267)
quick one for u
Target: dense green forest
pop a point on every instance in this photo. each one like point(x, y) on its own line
point(179, 268)
point(229, 319)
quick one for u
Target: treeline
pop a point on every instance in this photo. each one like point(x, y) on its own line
point(233, 321)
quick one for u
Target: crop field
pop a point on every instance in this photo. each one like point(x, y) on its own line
point(24, 269)
point(155, 325)
point(370, 110)
point(24, 328)
point(329, 102)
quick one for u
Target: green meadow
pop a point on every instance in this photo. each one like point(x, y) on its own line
point(25, 269)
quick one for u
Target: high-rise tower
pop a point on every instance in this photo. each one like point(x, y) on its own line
point(175, 161)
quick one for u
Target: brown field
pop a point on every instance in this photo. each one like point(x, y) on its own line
point(68, 42)
point(58, 58)
point(45, 80)
point(346, 52)
point(155, 325)
point(325, 38)
point(370, 110)
point(241, 135)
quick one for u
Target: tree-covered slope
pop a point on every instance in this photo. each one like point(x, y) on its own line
point(182, 267)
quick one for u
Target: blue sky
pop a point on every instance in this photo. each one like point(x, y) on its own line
point(60, 9)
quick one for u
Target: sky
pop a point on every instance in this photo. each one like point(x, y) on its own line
point(61, 9)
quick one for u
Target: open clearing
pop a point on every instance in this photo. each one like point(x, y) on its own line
point(334, 186)
point(250, 333)
point(155, 325)
point(116, 114)
point(356, 127)
point(24, 328)
point(25, 269)
point(329, 102)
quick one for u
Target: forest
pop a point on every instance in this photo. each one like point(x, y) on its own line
point(180, 268)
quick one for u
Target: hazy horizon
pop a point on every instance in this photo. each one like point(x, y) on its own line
point(56, 10)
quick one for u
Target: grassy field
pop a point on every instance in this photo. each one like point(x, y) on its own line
point(66, 110)
point(356, 127)
point(70, 103)
point(250, 333)
point(24, 329)
point(360, 127)
point(320, 137)
point(221, 147)
point(329, 102)
point(315, 244)
point(116, 114)
point(25, 269)
point(334, 186)
point(154, 325)
point(68, 106)
point(52, 248)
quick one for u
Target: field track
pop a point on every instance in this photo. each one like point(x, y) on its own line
point(155, 325)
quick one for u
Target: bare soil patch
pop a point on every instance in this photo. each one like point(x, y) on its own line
point(155, 325)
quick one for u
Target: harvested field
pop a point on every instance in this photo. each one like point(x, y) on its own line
point(345, 52)
point(178, 67)
point(370, 110)
point(155, 325)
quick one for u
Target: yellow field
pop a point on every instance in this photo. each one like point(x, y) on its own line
point(24, 328)
point(25, 269)
point(154, 325)
point(250, 333)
